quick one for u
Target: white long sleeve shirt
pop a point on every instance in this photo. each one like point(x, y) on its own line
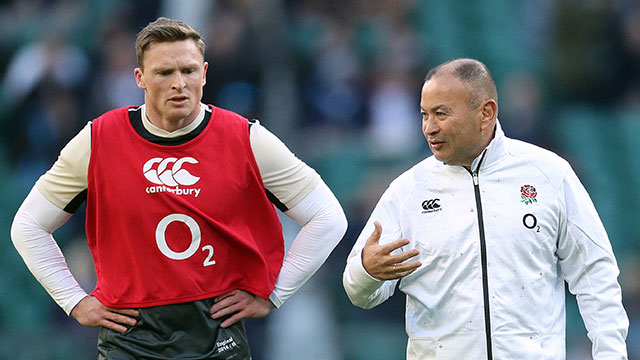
point(497, 243)
point(298, 189)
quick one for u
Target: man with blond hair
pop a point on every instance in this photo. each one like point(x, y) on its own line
point(181, 223)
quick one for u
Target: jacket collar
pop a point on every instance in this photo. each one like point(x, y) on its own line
point(493, 153)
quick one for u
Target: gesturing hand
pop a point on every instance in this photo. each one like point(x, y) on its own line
point(242, 305)
point(92, 313)
point(378, 261)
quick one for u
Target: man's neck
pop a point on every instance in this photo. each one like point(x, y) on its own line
point(186, 127)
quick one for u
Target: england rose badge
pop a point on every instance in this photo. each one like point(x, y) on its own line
point(528, 194)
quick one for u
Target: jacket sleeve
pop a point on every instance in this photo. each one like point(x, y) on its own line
point(362, 289)
point(591, 271)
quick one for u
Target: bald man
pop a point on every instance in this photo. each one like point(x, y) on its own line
point(482, 235)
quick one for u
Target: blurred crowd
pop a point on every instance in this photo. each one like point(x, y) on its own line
point(339, 82)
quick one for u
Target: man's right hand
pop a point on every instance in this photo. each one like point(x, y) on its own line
point(378, 261)
point(92, 313)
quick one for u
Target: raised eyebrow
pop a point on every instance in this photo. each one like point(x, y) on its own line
point(440, 107)
point(435, 108)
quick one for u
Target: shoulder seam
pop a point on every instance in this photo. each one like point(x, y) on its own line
point(545, 173)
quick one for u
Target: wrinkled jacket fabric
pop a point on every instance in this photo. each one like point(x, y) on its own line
point(538, 228)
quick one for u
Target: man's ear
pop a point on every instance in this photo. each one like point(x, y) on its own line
point(137, 73)
point(204, 73)
point(489, 113)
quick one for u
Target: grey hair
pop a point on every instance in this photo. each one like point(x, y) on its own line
point(474, 74)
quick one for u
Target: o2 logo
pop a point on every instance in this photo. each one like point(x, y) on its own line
point(196, 236)
point(530, 221)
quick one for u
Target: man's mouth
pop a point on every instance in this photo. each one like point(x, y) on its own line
point(436, 144)
point(179, 99)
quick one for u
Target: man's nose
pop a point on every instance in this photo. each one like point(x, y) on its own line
point(430, 126)
point(178, 81)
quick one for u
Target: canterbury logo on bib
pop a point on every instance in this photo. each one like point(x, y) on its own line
point(169, 174)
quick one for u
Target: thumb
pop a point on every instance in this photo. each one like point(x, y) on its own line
point(375, 235)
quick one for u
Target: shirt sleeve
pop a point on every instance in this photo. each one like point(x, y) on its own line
point(323, 226)
point(31, 233)
point(362, 289)
point(286, 178)
point(65, 184)
point(591, 271)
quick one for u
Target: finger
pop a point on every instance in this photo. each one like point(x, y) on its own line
point(394, 245)
point(400, 271)
point(406, 267)
point(403, 256)
point(113, 326)
point(115, 321)
point(232, 320)
point(224, 311)
point(128, 312)
point(402, 274)
point(223, 303)
point(374, 238)
point(120, 319)
point(227, 295)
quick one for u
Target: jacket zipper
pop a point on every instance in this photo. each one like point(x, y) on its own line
point(483, 259)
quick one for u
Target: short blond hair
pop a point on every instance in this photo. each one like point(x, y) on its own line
point(165, 30)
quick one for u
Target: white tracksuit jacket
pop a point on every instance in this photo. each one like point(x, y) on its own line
point(496, 245)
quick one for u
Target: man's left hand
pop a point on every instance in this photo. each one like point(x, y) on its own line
point(240, 305)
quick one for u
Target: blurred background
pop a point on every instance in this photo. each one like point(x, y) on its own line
point(339, 82)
